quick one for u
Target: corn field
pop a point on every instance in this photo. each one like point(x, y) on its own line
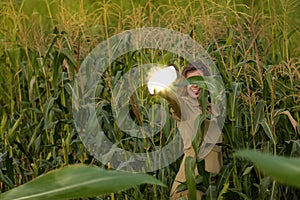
point(254, 44)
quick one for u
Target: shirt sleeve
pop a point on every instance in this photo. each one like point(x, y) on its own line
point(173, 100)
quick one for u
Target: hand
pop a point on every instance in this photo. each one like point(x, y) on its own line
point(161, 79)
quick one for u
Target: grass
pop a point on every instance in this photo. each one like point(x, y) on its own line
point(254, 44)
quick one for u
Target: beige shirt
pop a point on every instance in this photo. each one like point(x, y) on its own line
point(186, 121)
point(186, 110)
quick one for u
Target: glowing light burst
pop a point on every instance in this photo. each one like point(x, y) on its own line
point(161, 79)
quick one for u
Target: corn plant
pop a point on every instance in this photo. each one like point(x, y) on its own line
point(254, 45)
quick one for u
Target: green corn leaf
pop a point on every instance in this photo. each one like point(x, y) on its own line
point(190, 164)
point(258, 115)
point(12, 132)
point(285, 170)
point(247, 170)
point(77, 181)
point(48, 112)
point(268, 131)
point(223, 191)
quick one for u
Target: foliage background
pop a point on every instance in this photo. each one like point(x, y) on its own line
point(255, 45)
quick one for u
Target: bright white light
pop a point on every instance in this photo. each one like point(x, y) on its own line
point(161, 79)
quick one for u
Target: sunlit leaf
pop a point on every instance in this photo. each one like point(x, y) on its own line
point(77, 181)
point(285, 170)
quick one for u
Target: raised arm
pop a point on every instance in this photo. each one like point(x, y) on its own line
point(173, 101)
point(161, 83)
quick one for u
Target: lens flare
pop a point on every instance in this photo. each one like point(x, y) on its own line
point(161, 79)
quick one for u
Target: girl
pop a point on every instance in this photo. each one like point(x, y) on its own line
point(185, 109)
